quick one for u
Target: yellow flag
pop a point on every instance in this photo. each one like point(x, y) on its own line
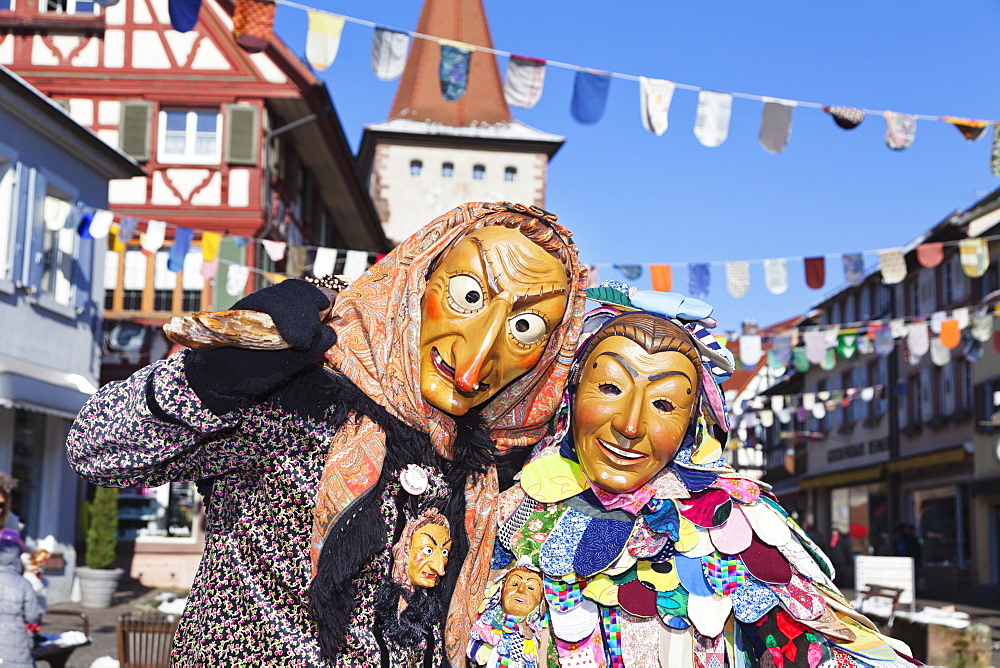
point(210, 245)
point(323, 38)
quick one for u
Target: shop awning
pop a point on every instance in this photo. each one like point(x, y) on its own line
point(33, 387)
point(842, 478)
point(952, 455)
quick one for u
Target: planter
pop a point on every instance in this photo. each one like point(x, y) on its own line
point(97, 586)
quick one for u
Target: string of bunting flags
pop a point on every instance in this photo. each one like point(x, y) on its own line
point(784, 408)
point(94, 223)
point(253, 28)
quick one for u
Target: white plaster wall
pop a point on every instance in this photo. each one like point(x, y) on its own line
point(412, 201)
point(89, 55)
point(127, 191)
point(115, 14)
point(211, 194)
point(148, 52)
point(114, 48)
point(82, 111)
point(267, 68)
point(208, 57)
point(41, 54)
point(109, 112)
point(239, 187)
point(180, 44)
point(6, 49)
point(161, 193)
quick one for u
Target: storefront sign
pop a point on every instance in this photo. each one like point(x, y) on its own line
point(855, 450)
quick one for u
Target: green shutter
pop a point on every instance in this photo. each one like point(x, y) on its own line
point(134, 129)
point(242, 134)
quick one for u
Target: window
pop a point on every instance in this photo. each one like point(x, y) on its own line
point(8, 174)
point(59, 246)
point(823, 423)
point(166, 511)
point(190, 136)
point(447, 170)
point(510, 174)
point(963, 384)
point(150, 287)
point(416, 166)
point(67, 6)
point(6, 5)
point(478, 172)
point(879, 404)
point(849, 405)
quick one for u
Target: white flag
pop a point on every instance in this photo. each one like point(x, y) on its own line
point(236, 279)
point(274, 249)
point(326, 259)
point(355, 263)
point(711, 125)
point(655, 96)
point(152, 240)
point(389, 48)
point(524, 82)
point(100, 224)
point(323, 38)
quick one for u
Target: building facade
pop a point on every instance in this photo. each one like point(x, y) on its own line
point(239, 146)
point(433, 154)
point(50, 303)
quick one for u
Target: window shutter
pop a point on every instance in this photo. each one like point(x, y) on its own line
point(135, 128)
point(242, 134)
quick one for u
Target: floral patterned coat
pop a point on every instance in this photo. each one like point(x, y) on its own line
point(249, 592)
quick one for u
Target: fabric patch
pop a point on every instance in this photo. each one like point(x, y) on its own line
point(603, 540)
point(637, 598)
point(751, 600)
point(982, 328)
point(639, 641)
point(672, 604)
point(828, 624)
point(776, 125)
point(724, 573)
point(179, 251)
point(940, 354)
point(769, 526)
point(590, 96)
point(661, 575)
point(847, 343)
point(389, 49)
point(900, 129)
point(802, 561)
point(675, 647)
point(562, 596)
point(602, 590)
point(556, 554)
point(687, 539)
point(709, 508)
point(524, 82)
point(951, 334)
point(766, 563)
point(799, 599)
point(515, 520)
point(694, 480)
point(854, 268)
point(577, 623)
point(703, 547)
point(734, 536)
point(847, 118)
point(692, 575)
point(453, 70)
point(535, 531)
point(893, 265)
point(643, 543)
point(970, 128)
point(662, 517)
point(630, 271)
point(552, 478)
point(744, 490)
point(588, 653)
point(708, 614)
point(655, 96)
point(917, 338)
point(776, 275)
point(711, 125)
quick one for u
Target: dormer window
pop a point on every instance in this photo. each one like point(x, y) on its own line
point(190, 136)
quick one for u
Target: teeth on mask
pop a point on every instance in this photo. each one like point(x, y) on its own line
point(624, 454)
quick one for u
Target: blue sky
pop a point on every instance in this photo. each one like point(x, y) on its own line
point(634, 198)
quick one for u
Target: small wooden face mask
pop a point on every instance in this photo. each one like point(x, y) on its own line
point(488, 311)
point(522, 592)
point(428, 555)
point(631, 412)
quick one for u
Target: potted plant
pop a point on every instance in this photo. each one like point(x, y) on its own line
point(99, 578)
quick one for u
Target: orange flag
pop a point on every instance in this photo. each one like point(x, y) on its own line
point(661, 277)
point(950, 335)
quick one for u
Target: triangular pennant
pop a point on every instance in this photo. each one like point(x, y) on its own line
point(975, 256)
point(389, 49)
point(847, 343)
point(776, 275)
point(525, 81)
point(661, 277)
point(970, 128)
point(453, 70)
point(930, 254)
point(815, 272)
point(738, 278)
point(590, 96)
point(776, 125)
point(274, 249)
point(711, 125)
point(654, 99)
point(846, 117)
point(323, 38)
point(893, 264)
point(900, 129)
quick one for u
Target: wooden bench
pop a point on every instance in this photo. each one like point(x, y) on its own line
point(57, 655)
point(144, 640)
point(878, 591)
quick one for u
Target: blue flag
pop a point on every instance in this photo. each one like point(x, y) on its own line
point(183, 14)
point(182, 243)
point(590, 96)
point(454, 71)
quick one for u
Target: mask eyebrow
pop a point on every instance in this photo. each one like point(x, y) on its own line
point(624, 362)
point(528, 300)
point(663, 374)
point(491, 280)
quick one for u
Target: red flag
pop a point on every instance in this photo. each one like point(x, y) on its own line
point(815, 272)
point(930, 255)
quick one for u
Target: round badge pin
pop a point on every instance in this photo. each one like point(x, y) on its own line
point(413, 479)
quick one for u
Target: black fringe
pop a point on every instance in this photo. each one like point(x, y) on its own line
point(361, 530)
point(408, 628)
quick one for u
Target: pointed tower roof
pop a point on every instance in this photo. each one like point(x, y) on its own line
point(418, 97)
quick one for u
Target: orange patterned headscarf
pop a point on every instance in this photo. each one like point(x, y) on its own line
point(378, 322)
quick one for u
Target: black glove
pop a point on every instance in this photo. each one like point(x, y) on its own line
point(222, 376)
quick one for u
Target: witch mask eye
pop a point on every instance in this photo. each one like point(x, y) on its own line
point(465, 293)
point(528, 328)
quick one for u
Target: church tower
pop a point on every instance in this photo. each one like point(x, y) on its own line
point(434, 154)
